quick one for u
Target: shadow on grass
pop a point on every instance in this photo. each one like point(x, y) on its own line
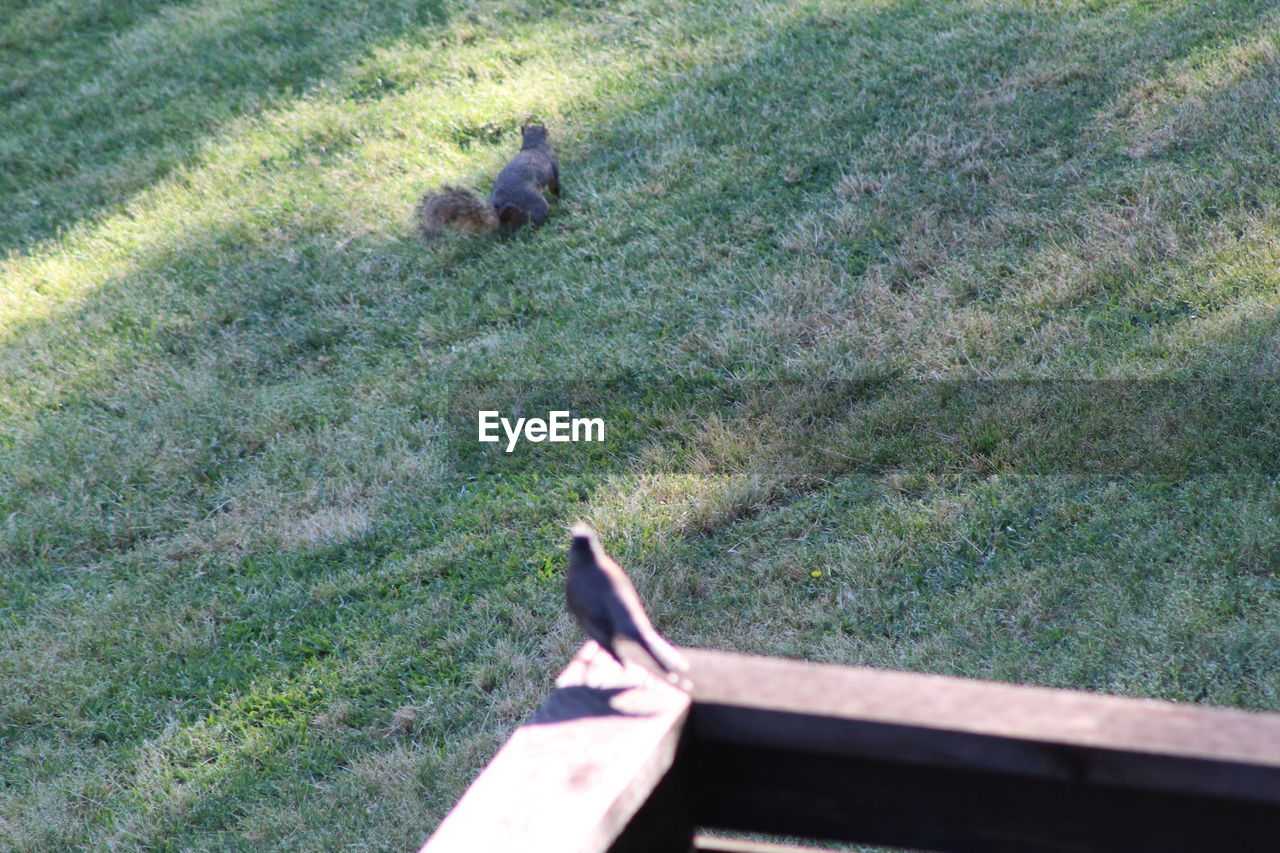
point(277, 343)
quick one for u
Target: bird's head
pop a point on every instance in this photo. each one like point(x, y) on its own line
point(584, 546)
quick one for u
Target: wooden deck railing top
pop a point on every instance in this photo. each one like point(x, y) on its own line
point(618, 760)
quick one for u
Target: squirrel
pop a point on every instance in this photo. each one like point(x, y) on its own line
point(516, 198)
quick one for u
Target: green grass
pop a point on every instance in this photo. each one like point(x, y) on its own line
point(971, 305)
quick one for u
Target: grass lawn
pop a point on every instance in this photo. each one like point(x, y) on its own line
point(969, 306)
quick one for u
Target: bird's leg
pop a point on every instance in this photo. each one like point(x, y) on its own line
point(589, 663)
point(591, 658)
point(609, 672)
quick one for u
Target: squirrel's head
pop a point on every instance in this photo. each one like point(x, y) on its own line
point(533, 133)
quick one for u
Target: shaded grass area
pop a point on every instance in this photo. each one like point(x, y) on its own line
point(970, 306)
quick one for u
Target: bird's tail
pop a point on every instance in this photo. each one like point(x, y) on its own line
point(664, 654)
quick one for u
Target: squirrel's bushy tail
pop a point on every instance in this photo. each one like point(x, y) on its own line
point(454, 207)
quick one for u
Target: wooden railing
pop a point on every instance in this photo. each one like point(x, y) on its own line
point(616, 760)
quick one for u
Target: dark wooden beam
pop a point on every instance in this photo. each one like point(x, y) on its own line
point(581, 771)
point(664, 824)
point(941, 763)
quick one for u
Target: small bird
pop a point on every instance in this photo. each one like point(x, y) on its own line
point(606, 605)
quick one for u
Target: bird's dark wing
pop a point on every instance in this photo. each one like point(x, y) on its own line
point(588, 593)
